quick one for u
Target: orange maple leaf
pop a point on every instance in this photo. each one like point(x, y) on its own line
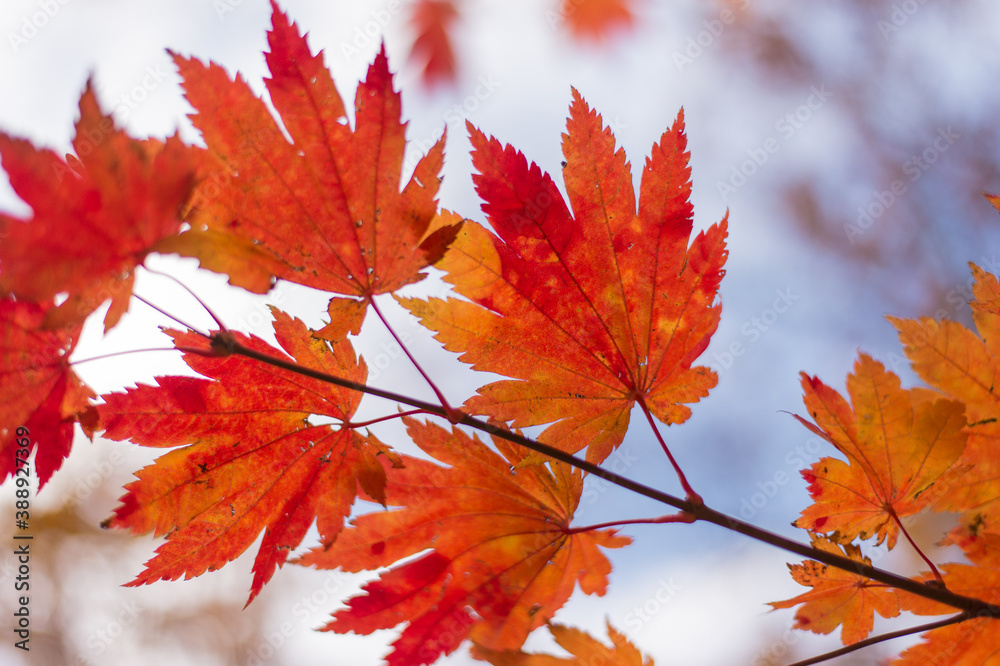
point(898, 444)
point(431, 20)
point(250, 460)
point(96, 215)
point(972, 642)
point(324, 209)
point(597, 18)
point(586, 651)
point(38, 390)
point(838, 597)
point(963, 365)
point(504, 557)
point(590, 311)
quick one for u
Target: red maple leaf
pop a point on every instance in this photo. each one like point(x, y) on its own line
point(838, 598)
point(504, 558)
point(250, 460)
point(432, 20)
point(588, 311)
point(324, 209)
point(38, 390)
point(898, 445)
point(963, 365)
point(95, 217)
point(975, 641)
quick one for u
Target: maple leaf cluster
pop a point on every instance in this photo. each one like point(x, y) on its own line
point(907, 451)
point(608, 304)
point(120, 197)
point(586, 305)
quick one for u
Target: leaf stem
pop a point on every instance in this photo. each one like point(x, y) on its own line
point(954, 619)
point(451, 412)
point(689, 492)
point(101, 357)
point(188, 290)
point(170, 316)
point(934, 569)
point(412, 412)
point(682, 517)
point(970, 605)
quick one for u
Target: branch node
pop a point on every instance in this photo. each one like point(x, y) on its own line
point(223, 343)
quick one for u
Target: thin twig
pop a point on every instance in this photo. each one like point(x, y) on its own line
point(934, 569)
point(186, 288)
point(681, 517)
point(362, 424)
point(449, 410)
point(167, 314)
point(968, 604)
point(961, 617)
point(689, 492)
point(101, 357)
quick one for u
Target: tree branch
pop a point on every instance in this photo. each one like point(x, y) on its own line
point(970, 605)
point(954, 619)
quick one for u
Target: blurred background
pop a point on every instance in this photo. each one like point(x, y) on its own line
point(850, 142)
